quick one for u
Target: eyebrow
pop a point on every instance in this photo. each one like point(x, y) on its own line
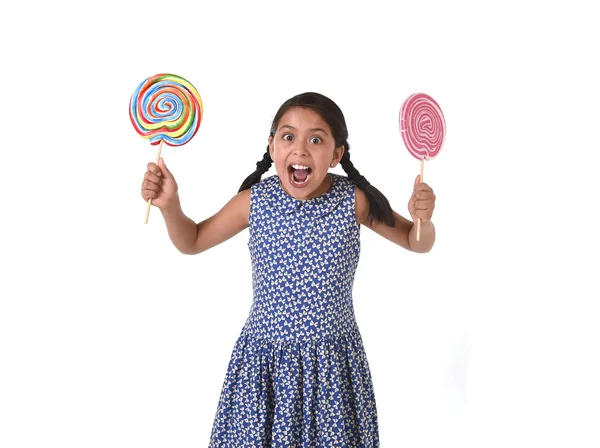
point(313, 129)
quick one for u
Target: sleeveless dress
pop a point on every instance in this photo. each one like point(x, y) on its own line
point(298, 375)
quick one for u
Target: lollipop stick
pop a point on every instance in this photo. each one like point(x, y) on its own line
point(150, 200)
point(419, 220)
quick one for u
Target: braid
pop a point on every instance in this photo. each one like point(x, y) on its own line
point(379, 207)
point(262, 166)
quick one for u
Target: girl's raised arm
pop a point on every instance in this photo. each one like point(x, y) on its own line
point(404, 232)
point(227, 222)
point(191, 238)
point(188, 237)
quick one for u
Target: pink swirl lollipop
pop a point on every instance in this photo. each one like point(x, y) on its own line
point(423, 130)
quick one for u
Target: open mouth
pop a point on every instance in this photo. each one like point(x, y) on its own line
point(300, 175)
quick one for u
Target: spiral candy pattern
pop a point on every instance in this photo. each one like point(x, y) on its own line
point(166, 107)
point(422, 126)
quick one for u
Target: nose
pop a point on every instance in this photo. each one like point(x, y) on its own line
point(300, 148)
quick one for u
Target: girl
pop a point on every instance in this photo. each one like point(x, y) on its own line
point(298, 375)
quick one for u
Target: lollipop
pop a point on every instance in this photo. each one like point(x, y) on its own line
point(423, 130)
point(167, 108)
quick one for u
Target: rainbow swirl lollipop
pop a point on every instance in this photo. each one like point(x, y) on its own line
point(166, 108)
point(423, 130)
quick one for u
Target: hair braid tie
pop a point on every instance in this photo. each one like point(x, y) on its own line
point(263, 166)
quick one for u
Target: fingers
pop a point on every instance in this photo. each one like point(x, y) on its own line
point(150, 189)
point(423, 215)
point(422, 201)
point(422, 204)
point(421, 209)
point(164, 170)
point(149, 194)
point(154, 169)
point(151, 177)
point(423, 196)
point(423, 187)
point(151, 185)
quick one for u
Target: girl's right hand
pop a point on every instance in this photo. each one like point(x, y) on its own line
point(159, 185)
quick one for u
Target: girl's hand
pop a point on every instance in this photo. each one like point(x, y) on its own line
point(159, 185)
point(422, 201)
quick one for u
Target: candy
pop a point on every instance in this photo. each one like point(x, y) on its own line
point(422, 126)
point(423, 130)
point(167, 108)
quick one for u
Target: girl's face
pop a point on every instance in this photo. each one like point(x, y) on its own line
point(303, 149)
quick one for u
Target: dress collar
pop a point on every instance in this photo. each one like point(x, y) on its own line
point(317, 206)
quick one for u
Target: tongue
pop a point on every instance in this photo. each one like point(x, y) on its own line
point(301, 175)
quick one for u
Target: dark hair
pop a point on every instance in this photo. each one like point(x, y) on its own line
point(379, 207)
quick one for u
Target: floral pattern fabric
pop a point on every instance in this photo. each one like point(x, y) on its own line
point(298, 375)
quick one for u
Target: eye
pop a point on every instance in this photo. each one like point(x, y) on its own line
point(287, 135)
point(315, 138)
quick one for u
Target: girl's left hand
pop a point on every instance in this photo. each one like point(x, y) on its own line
point(422, 201)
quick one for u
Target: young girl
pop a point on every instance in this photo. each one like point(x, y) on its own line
point(298, 375)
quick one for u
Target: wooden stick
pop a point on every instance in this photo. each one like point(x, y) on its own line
point(419, 220)
point(150, 200)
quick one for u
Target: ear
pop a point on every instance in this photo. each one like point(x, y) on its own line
point(337, 154)
point(271, 148)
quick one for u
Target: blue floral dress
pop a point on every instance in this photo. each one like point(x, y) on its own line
point(298, 375)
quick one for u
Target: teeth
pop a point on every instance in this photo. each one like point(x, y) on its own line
point(300, 167)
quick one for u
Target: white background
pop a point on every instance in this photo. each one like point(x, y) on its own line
point(109, 337)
